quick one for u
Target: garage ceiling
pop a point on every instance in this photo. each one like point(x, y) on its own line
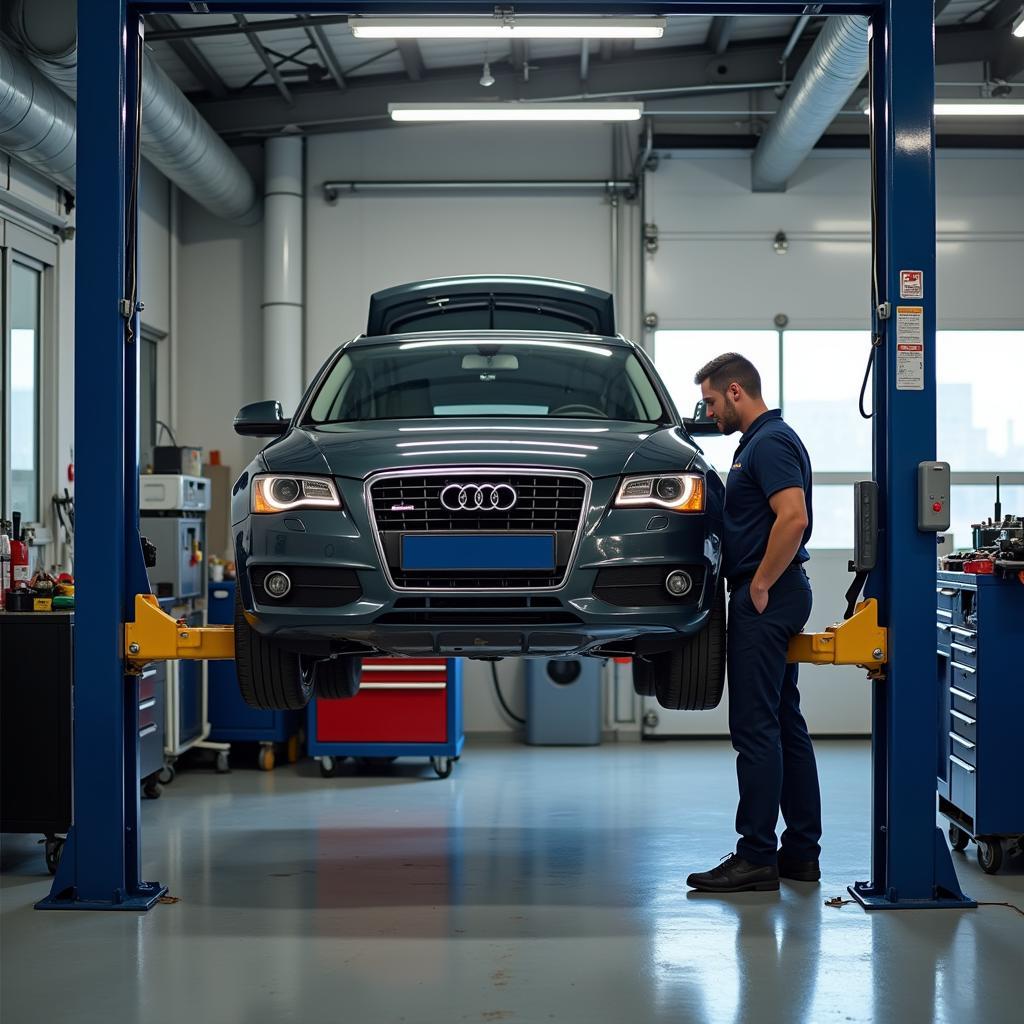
point(256, 75)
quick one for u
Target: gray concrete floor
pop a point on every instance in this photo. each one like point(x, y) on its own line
point(533, 885)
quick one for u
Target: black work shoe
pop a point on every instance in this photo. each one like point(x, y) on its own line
point(735, 874)
point(799, 870)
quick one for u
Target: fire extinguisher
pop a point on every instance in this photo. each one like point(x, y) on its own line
point(20, 574)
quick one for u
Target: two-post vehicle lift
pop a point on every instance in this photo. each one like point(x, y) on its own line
point(118, 628)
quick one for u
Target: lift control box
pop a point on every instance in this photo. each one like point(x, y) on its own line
point(933, 497)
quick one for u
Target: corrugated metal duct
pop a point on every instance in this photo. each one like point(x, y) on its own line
point(37, 121)
point(835, 66)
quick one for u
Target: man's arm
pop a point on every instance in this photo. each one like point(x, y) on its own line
point(784, 542)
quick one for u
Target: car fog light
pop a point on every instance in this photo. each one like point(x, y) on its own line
point(277, 584)
point(678, 583)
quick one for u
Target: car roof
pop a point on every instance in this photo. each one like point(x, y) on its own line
point(484, 336)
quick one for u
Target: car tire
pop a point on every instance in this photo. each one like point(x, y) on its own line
point(337, 678)
point(644, 677)
point(692, 677)
point(269, 677)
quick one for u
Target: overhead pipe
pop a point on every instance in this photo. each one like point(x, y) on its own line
point(37, 121)
point(833, 69)
point(282, 271)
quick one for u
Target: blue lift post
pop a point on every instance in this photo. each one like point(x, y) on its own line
point(100, 868)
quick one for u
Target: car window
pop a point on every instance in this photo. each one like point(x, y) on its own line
point(542, 378)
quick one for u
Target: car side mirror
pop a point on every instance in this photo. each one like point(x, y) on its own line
point(701, 422)
point(260, 419)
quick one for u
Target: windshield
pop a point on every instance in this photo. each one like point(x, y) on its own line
point(543, 378)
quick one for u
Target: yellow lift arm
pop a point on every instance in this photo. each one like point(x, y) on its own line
point(859, 640)
point(157, 636)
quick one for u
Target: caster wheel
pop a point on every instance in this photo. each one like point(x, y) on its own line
point(152, 789)
point(223, 764)
point(293, 749)
point(326, 767)
point(442, 766)
point(54, 848)
point(958, 838)
point(167, 774)
point(266, 759)
point(990, 856)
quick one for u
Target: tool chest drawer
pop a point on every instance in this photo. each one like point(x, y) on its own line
point(400, 700)
point(980, 721)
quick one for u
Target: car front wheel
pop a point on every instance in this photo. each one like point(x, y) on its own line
point(270, 678)
point(692, 677)
point(337, 678)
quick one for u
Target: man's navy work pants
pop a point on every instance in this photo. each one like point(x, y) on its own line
point(775, 760)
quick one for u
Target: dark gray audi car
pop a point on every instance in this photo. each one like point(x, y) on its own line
point(490, 471)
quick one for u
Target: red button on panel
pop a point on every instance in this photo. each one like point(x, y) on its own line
point(937, 507)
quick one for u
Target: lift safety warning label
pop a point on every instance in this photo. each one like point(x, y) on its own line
point(911, 284)
point(909, 348)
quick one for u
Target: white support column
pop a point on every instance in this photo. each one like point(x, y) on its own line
point(282, 272)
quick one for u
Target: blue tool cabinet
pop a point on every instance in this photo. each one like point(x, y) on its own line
point(231, 719)
point(980, 628)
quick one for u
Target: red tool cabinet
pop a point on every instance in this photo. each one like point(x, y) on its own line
point(406, 707)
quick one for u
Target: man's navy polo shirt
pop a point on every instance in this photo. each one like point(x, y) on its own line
point(770, 458)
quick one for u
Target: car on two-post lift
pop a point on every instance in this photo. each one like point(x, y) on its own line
point(490, 471)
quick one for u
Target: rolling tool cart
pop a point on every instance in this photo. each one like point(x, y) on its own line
point(231, 719)
point(981, 711)
point(406, 707)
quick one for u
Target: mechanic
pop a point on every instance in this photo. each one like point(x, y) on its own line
point(767, 526)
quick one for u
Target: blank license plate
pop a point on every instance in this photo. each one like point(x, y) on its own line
point(479, 551)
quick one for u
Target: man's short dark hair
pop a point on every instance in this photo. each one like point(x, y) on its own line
point(728, 368)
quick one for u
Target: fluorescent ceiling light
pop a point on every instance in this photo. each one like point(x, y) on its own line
point(1018, 25)
point(978, 108)
point(515, 111)
point(487, 27)
point(983, 108)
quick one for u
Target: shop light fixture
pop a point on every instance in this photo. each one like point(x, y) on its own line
point(1018, 25)
point(498, 112)
point(506, 27)
point(973, 108)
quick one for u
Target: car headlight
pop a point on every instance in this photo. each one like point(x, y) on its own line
point(680, 492)
point(280, 493)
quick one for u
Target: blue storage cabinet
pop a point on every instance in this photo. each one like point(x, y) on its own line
point(980, 628)
point(231, 719)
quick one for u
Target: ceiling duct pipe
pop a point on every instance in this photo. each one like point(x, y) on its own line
point(175, 138)
point(835, 66)
point(37, 121)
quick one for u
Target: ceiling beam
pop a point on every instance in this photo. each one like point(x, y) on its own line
point(260, 111)
point(268, 64)
point(190, 55)
point(412, 58)
point(720, 33)
point(1002, 14)
point(319, 39)
point(270, 25)
point(518, 55)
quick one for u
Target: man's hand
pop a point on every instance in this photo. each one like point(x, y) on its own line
point(758, 596)
point(784, 542)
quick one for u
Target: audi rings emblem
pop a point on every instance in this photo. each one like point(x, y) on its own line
point(478, 497)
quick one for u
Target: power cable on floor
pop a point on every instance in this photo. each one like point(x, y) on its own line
point(501, 697)
point(1012, 906)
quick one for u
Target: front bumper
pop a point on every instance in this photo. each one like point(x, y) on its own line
point(570, 619)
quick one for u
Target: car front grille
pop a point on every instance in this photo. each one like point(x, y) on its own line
point(545, 503)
